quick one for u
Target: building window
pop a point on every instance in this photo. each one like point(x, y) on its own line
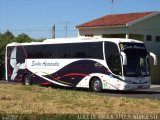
point(136, 37)
point(157, 38)
point(113, 36)
point(149, 38)
point(89, 35)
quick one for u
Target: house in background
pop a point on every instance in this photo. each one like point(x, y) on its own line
point(143, 26)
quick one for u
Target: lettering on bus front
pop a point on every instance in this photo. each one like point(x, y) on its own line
point(132, 46)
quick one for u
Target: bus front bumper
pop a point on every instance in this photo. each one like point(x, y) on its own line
point(136, 86)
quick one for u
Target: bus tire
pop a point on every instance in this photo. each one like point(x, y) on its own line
point(27, 80)
point(96, 85)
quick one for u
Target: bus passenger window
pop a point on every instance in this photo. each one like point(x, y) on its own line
point(94, 50)
point(79, 50)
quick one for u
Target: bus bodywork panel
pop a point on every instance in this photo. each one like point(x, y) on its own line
point(77, 72)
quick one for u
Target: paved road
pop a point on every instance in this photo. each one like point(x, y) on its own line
point(152, 93)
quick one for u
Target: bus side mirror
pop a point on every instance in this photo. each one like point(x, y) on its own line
point(124, 58)
point(154, 57)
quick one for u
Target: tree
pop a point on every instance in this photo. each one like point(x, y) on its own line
point(8, 36)
point(23, 38)
point(5, 38)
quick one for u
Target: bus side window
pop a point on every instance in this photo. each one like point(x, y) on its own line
point(79, 50)
point(113, 58)
point(20, 53)
point(49, 51)
point(34, 51)
point(63, 51)
point(94, 50)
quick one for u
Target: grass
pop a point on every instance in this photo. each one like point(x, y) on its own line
point(19, 99)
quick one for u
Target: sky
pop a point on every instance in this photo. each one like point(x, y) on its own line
point(36, 17)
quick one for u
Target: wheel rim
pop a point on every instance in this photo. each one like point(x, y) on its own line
point(27, 80)
point(97, 86)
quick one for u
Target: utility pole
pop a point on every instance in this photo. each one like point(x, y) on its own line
point(53, 31)
point(112, 2)
point(66, 29)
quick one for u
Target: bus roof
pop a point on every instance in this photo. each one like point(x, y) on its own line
point(76, 40)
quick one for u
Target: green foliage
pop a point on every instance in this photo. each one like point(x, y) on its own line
point(7, 38)
point(23, 38)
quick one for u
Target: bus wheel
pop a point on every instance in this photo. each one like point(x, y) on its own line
point(27, 80)
point(96, 85)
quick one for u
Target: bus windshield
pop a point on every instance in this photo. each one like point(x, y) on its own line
point(137, 59)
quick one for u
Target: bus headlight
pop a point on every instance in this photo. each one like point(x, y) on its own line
point(129, 82)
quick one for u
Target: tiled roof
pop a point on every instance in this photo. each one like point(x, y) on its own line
point(115, 19)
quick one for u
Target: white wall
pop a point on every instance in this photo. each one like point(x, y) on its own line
point(150, 26)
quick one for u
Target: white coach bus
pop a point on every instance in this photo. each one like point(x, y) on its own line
point(94, 63)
